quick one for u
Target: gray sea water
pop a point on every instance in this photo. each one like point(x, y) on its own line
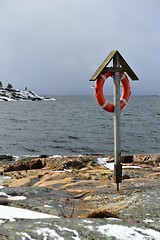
point(74, 125)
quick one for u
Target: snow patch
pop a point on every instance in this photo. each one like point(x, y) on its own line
point(25, 236)
point(110, 165)
point(3, 194)
point(7, 212)
point(13, 198)
point(131, 167)
point(148, 221)
point(46, 232)
point(47, 206)
point(16, 198)
point(90, 227)
point(76, 237)
point(55, 156)
point(87, 221)
point(125, 233)
point(103, 162)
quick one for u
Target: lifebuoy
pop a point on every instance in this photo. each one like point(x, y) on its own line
point(102, 101)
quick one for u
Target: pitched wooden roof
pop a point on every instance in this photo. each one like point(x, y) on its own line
point(124, 67)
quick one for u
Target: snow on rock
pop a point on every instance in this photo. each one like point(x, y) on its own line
point(51, 233)
point(125, 233)
point(110, 165)
point(103, 162)
point(20, 95)
point(7, 212)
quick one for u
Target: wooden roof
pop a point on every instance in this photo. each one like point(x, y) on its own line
point(124, 67)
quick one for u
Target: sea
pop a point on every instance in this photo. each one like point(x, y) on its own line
point(76, 125)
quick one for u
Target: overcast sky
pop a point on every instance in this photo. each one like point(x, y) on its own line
point(54, 46)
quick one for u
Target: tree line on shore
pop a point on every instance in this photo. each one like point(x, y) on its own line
point(9, 86)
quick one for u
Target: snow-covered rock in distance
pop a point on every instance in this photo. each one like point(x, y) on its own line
point(11, 94)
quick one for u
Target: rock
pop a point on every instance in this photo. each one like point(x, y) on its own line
point(34, 164)
point(125, 176)
point(66, 229)
point(71, 164)
point(12, 94)
point(127, 159)
point(76, 187)
point(3, 201)
point(150, 160)
point(6, 157)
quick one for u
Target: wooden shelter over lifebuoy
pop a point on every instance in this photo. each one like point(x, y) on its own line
point(124, 67)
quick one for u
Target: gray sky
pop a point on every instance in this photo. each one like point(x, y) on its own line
point(54, 46)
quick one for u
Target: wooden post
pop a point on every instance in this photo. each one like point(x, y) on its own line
point(117, 125)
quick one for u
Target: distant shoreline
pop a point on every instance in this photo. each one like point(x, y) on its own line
point(12, 94)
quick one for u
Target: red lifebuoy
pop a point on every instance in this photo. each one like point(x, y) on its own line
point(102, 101)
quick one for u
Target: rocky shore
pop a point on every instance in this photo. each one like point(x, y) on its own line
point(80, 197)
point(12, 94)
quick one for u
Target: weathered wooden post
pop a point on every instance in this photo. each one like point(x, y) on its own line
point(117, 124)
point(119, 67)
